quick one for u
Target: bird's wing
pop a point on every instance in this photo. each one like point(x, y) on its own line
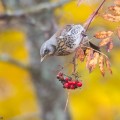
point(63, 31)
point(68, 37)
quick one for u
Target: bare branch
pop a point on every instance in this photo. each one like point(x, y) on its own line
point(90, 19)
point(34, 9)
point(8, 59)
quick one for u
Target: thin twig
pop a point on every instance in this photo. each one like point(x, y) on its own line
point(93, 15)
point(74, 64)
point(96, 51)
point(79, 2)
point(68, 93)
point(89, 40)
point(90, 19)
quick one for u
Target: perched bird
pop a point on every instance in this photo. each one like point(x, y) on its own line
point(64, 41)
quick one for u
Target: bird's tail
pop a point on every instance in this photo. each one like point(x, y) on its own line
point(95, 47)
point(87, 44)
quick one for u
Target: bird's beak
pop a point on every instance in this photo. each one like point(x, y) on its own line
point(42, 58)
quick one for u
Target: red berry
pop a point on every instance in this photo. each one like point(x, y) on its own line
point(72, 87)
point(66, 79)
point(74, 82)
point(66, 85)
point(79, 84)
point(70, 82)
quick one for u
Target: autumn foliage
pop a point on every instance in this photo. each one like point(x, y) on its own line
point(114, 12)
point(94, 57)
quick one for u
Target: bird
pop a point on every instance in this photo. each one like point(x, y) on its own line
point(65, 41)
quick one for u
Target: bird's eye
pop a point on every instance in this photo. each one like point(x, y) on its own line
point(46, 51)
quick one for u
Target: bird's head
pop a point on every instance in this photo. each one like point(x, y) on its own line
point(46, 50)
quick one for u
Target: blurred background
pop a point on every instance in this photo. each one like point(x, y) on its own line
point(29, 89)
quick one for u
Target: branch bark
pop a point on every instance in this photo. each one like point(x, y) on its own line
point(51, 96)
point(34, 9)
point(8, 59)
point(90, 19)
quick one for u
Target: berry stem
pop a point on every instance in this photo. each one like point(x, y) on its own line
point(68, 93)
point(74, 65)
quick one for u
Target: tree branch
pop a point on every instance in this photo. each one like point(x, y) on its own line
point(34, 9)
point(92, 16)
point(8, 59)
point(86, 25)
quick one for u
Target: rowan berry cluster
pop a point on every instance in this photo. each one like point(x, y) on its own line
point(68, 82)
